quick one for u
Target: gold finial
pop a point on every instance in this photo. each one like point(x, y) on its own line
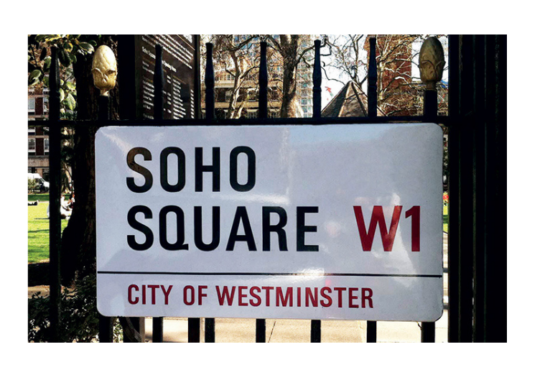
point(432, 62)
point(104, 69)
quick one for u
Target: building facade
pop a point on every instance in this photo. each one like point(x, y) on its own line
point(248, 95)
point(38, 141)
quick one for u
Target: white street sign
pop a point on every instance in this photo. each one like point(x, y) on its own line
point(299, 221)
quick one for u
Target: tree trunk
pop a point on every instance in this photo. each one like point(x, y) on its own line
point(78, 252)
point(289, 53)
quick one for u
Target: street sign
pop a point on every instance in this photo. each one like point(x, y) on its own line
point(293, 221)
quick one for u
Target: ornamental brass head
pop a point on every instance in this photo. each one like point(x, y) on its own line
point(432, 62)
point(104, 69)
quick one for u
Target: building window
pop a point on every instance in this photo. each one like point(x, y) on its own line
point(304, 102)
point(32, 145)
point(46, 144)
point(32, 103)
point(227, 96)
point(251, 114)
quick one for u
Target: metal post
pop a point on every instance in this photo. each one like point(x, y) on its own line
point(105, 329)
point(430, 114)
point(371, 331)
point(372, 92)
point(210, 330)
point(158, 82)
point(55, 194)
point(315, 331)
point(262, 112)
point(197, 78)
point(480, 186)
point(209, 83)
point(194, 330)
point(465, 193)
point(372, 95)
point(317, 80)
point(453, 246)
point(209, 79)
point(105, 323)
point(260, 331)
point(496, 318)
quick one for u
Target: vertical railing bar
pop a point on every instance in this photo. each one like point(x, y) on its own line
point(194, 330)
point(260, 331)
point(371, 331)
point(317, 80)
point(209, 83)
point(209, 323)
point(105, 323)
point(210, 330)
point(262, 114)
point(197, 78)
point(453, 147)
point(430, 115)
point(491, 203)
point(158, 83)
point(496, 315)
point(55, 194)
point(372, 93)
point(105, 329)
point(463, 196)
point(372, 98)
point(480, 184)
point(262, 99)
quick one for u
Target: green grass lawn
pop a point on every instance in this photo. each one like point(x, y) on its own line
point(39, 228)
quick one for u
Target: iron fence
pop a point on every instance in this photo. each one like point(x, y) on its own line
point(477, 148)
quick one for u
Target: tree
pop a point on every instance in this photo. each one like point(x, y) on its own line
point(31, 185)
point(399, 93)
point(238, 57)
point(78, 253)
point(348, 58)
point(292, 49)
point(75, 53)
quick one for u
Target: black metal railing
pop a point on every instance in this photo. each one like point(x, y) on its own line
point(467, 248)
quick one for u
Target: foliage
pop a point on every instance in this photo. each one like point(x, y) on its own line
point(70, 46)
point(31, 184)
point(79, 318)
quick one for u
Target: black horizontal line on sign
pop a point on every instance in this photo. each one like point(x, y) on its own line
point(272, 274)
